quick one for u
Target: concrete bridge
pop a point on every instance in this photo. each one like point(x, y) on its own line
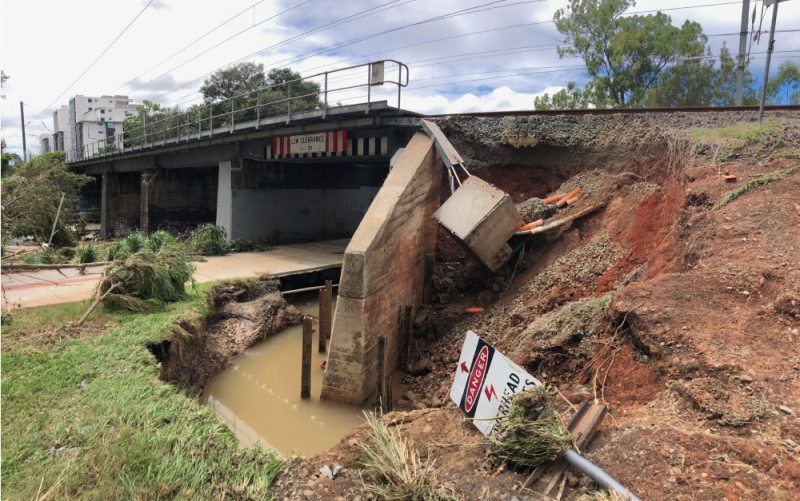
point(369, 172)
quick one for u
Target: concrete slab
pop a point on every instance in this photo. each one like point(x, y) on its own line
point(51, 287)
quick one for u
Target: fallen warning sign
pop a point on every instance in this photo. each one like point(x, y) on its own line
point(484, 382)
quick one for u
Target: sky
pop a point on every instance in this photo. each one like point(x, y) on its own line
point(453, 67)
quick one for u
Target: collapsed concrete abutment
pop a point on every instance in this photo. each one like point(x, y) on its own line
point(384, 268)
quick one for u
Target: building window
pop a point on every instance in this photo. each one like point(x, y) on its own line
point(90, 109)
point(102, 119)
point(102, 110)
point(90, 100)
point(110, 125)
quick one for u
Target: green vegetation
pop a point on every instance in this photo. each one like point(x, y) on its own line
point(528, 443)
point(249, 245)
point(89, 253)
point(391, 470)
point(86, 416)
point(210, 240)
point(239, 82)
point(640, 60)
point(762, 180)
point(32, 194)
point(146, 273)
point(37, 258)
point(730, 139)
point(787, 84)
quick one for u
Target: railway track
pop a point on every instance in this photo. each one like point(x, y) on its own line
point(621, 111)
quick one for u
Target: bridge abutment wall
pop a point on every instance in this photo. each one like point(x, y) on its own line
point(384, 268)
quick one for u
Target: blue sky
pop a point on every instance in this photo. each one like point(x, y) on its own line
point(70, 35)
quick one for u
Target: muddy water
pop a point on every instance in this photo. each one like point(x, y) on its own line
point(259, 395)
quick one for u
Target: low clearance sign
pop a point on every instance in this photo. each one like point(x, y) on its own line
point(485, 380)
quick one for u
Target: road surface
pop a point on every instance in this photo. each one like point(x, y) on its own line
point(51, 287)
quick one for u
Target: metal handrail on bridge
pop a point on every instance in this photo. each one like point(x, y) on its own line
point(195, 118)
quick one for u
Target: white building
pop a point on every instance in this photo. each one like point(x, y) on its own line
point(62, 134)
point(46, 143)
point(96, 121)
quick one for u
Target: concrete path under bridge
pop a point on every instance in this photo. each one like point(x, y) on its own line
point(47, 287)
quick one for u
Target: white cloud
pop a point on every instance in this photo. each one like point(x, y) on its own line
point(500, 99)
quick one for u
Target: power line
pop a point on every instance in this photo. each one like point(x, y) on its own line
point(470, 10)
point(93, 62)
point(183, 49)
point(217, 45)
point(279, 44)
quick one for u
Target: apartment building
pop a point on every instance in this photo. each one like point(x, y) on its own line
point(96, 121)
point(62, 134)
point(46, 143)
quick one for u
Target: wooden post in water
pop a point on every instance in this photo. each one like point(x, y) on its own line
point(328, 309)
point(305, 379)
point(382, 373)
point(323, 340)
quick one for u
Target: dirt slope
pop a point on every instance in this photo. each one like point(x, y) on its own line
point(683, 319)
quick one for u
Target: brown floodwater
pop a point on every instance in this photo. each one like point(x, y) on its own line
point(259, 395)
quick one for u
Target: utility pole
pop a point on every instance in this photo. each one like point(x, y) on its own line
point(742, 49)
point(769, 56)
point(24, 144)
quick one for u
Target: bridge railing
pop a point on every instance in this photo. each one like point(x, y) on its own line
point(246, 110)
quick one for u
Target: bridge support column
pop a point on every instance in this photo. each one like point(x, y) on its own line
point(384, 268)
point(148, 176)
point(225, 197)
point(104, 206)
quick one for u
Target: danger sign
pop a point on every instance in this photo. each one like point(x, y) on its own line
point(484, 382)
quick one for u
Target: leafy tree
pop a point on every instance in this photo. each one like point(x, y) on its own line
point(787, 83)
point(229, 82)
point(3, 78)
point(624, 55)
point(686, 83)
point(571, 97)
point(31, 197)
point(726, 82)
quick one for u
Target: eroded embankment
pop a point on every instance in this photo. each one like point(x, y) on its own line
point(241, 313)
point(682, 318)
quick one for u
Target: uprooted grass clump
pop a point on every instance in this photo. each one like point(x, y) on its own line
point(761, 180)
point(210, 240)
point(392, 470)
point(249, 245)
point(526, 440)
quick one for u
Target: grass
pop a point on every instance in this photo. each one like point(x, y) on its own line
point(765, 179)
point(88, 417)
point(210, 240)
point(391, 470)
point(528, 443)
point(88, 253)
point(249, 245)
point(729, 140)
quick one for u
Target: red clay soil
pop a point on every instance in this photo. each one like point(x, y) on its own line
point(682, 319)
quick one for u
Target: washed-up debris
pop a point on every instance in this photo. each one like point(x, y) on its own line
point(730, 178)
point(534, 209)
point(553, 199)
point(471, 311)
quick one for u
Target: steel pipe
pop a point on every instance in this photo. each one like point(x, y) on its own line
point(594, 472)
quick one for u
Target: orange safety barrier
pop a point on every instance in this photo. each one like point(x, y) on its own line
point(552, 199)
point(474, 310)
point(532, 225)
point(572, 193)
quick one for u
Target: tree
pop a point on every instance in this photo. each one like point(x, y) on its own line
point(726, 82)
point(571, 97)
point(31, 197)
point(3, 78)
point(787, 83)
point(624, 55)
